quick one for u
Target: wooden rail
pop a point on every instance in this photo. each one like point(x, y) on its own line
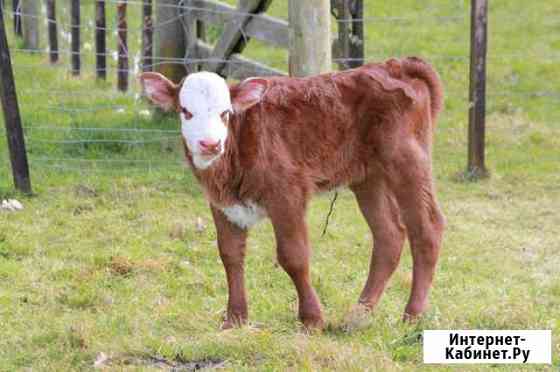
point(240, 24)
point(259, 26)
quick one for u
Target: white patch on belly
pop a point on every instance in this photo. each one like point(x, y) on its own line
point(245, 215)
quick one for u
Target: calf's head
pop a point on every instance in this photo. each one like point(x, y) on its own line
point(205, 104)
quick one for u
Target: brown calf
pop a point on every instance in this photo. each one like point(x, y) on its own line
point(263, 147)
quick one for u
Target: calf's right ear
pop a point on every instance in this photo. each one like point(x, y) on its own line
point(248, 93)
point(160, 90)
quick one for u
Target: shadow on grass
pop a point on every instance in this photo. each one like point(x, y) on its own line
point(153, 361)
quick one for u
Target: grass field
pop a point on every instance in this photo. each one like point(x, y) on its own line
point(115, 255)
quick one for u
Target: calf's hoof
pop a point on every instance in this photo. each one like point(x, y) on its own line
point(233, 322)
point(413, 312)
point(313, 322)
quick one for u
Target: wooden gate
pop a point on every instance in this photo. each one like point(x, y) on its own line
point(239, 25)
point(247, 20)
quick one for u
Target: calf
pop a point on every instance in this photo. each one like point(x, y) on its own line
point(263, 147)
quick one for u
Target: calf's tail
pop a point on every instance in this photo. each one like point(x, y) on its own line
point(417, 68)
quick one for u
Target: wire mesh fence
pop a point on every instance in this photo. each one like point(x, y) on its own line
point(82, 124)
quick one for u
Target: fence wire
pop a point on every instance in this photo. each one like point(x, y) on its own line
point(88, 126)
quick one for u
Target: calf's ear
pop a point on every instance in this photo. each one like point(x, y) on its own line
point(160, 90)
point(248, 93)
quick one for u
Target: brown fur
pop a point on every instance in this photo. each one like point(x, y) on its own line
point(368, 128)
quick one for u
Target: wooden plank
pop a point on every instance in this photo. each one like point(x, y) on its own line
point(260, 26)
point(270, 30)
point(310, 37)
point(239, 67)
point(233, 40)
point(243, 68)
point(476, 167)
point(122, 46)
point(100, 40)
point(53, 32)
point(12, 119)
point(75, 31)
point(147, 36)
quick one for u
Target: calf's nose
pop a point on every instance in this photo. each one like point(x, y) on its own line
point(210, 146)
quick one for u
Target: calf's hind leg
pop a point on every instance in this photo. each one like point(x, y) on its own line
point(424, 223)
point(381, 211)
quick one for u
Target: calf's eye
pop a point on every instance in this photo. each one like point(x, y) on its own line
point(225, 116)
point(187, 113)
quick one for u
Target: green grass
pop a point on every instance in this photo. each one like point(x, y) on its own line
point(118, 256)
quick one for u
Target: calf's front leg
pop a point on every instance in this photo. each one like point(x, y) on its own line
point(231, 244)
point(294, 252)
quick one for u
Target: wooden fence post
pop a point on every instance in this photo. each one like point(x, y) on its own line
point(122, 46)
point(358, 41)
point(100, 40)
point(16, 7)
point(191, 39)
point(75, 29)
point(341, 45)
point(147, 36)
point(349, 46)
point(170, 41)
point(477, 95)
point(30, 23)
point(310, 37)
point(12, 119)
point(53, 32)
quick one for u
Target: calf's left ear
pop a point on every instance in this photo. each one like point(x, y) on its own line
point(160, 90)
point(248, 93)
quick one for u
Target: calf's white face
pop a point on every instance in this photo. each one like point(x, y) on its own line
point(205, 105)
